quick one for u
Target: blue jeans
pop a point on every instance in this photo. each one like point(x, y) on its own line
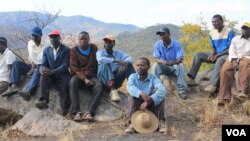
point(20, 68)
point(107, 72)
point(176, 70)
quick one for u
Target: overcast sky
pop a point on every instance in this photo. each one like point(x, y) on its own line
point(142, 13)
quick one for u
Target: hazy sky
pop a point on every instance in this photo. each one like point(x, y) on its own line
point(142, 13)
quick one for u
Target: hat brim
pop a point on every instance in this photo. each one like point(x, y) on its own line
point(139, 128)
point(159, 32)
point(36, 34)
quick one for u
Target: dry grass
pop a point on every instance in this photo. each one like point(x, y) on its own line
point(210, 116)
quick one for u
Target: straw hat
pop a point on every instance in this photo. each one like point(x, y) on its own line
point(144, 121)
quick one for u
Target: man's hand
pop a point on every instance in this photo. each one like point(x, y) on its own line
point(235, 64)
point(46, 71)
point(144, 105)
point(30, 73)
point(145, 97)
point(212, 57)
point(123, 67)
point(88, 82)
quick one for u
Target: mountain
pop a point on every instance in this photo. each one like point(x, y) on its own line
point(141, 43)
point(67, 24)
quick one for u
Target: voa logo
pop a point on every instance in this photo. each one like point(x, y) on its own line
point(236, 132)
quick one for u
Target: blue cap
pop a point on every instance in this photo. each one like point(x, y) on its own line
point(36, 31)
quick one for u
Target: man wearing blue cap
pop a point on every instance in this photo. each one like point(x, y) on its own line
point(35, 50)
point(168, 55)
point(7, 58)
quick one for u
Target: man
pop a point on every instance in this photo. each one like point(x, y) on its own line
point(54, 70)
point(238, 59)
point(168, 55)
point(113, 66)
point(7, 58)
point(147, 92)
point(220, 38)
point(83, 65)
point(35, 50)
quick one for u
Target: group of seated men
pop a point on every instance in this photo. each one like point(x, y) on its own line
point(97, 69)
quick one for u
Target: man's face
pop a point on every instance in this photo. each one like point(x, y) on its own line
point(83, 40)
point(55, 40)
point(36, 39)
point(142, 67)
point(217, 23)
point(246, 32)
point(2, 48)
point(164, 36)
point(108, 44)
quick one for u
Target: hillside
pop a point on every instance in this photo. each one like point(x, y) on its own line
point(67, 24)
point(141, 43)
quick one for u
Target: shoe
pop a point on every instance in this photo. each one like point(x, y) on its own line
point(10, 91)
point(42, 104)
point(115, 95)
point(25, 95)
point(162, 127)
point(130, 129)
point(242, 95)
point(210, 89)
point(191, 82)
point(223, 102)
point(183, 96)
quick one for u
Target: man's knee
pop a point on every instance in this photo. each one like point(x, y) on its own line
point(73, 81)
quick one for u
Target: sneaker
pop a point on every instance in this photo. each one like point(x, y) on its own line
point(10, 91)
point(42, 104)
point(210, 89)
point(183, 96)
point(191, 82)
point(25, 95)
point(222, 102)
point(162, 127)
point(130, 129)
point(115, 95)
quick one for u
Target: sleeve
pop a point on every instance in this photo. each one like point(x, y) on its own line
point(157, 53)
point(179, 51)
point(29, 51)
point(232, 50)
point(125, 57)
point(160, 93)
point(102, 59)
point(231, 35)
point(74, 65)
point(44, 58)
point(131, 86)
point(11, 58)
point(65, 63)
point(211, 42)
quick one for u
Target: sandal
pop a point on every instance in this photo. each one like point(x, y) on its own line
point(78, 117)
point(88, 116)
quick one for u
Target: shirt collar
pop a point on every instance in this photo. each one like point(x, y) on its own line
point(6, 50)
point(170, 45)
point(57, 48)
point(138, 77)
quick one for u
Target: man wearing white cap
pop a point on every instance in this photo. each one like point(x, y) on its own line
point(114, 66)
point(238, 59)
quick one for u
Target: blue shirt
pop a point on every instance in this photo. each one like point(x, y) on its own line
point(221, 41)
point(84, 52)
point(151, 86)
point(173, 52)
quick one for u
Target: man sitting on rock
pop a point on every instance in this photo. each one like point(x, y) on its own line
point(238, 59)
point(7, 58)
point(168, 55)
point(147, 92)
point(35, 51)
point(54, 70)
point(83, 66)
point(220, 38)
point(113, 66)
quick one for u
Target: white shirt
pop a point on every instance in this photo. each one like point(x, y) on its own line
point(7, 58)
point(55, 51)
point(35, 52)
point(239, 48)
